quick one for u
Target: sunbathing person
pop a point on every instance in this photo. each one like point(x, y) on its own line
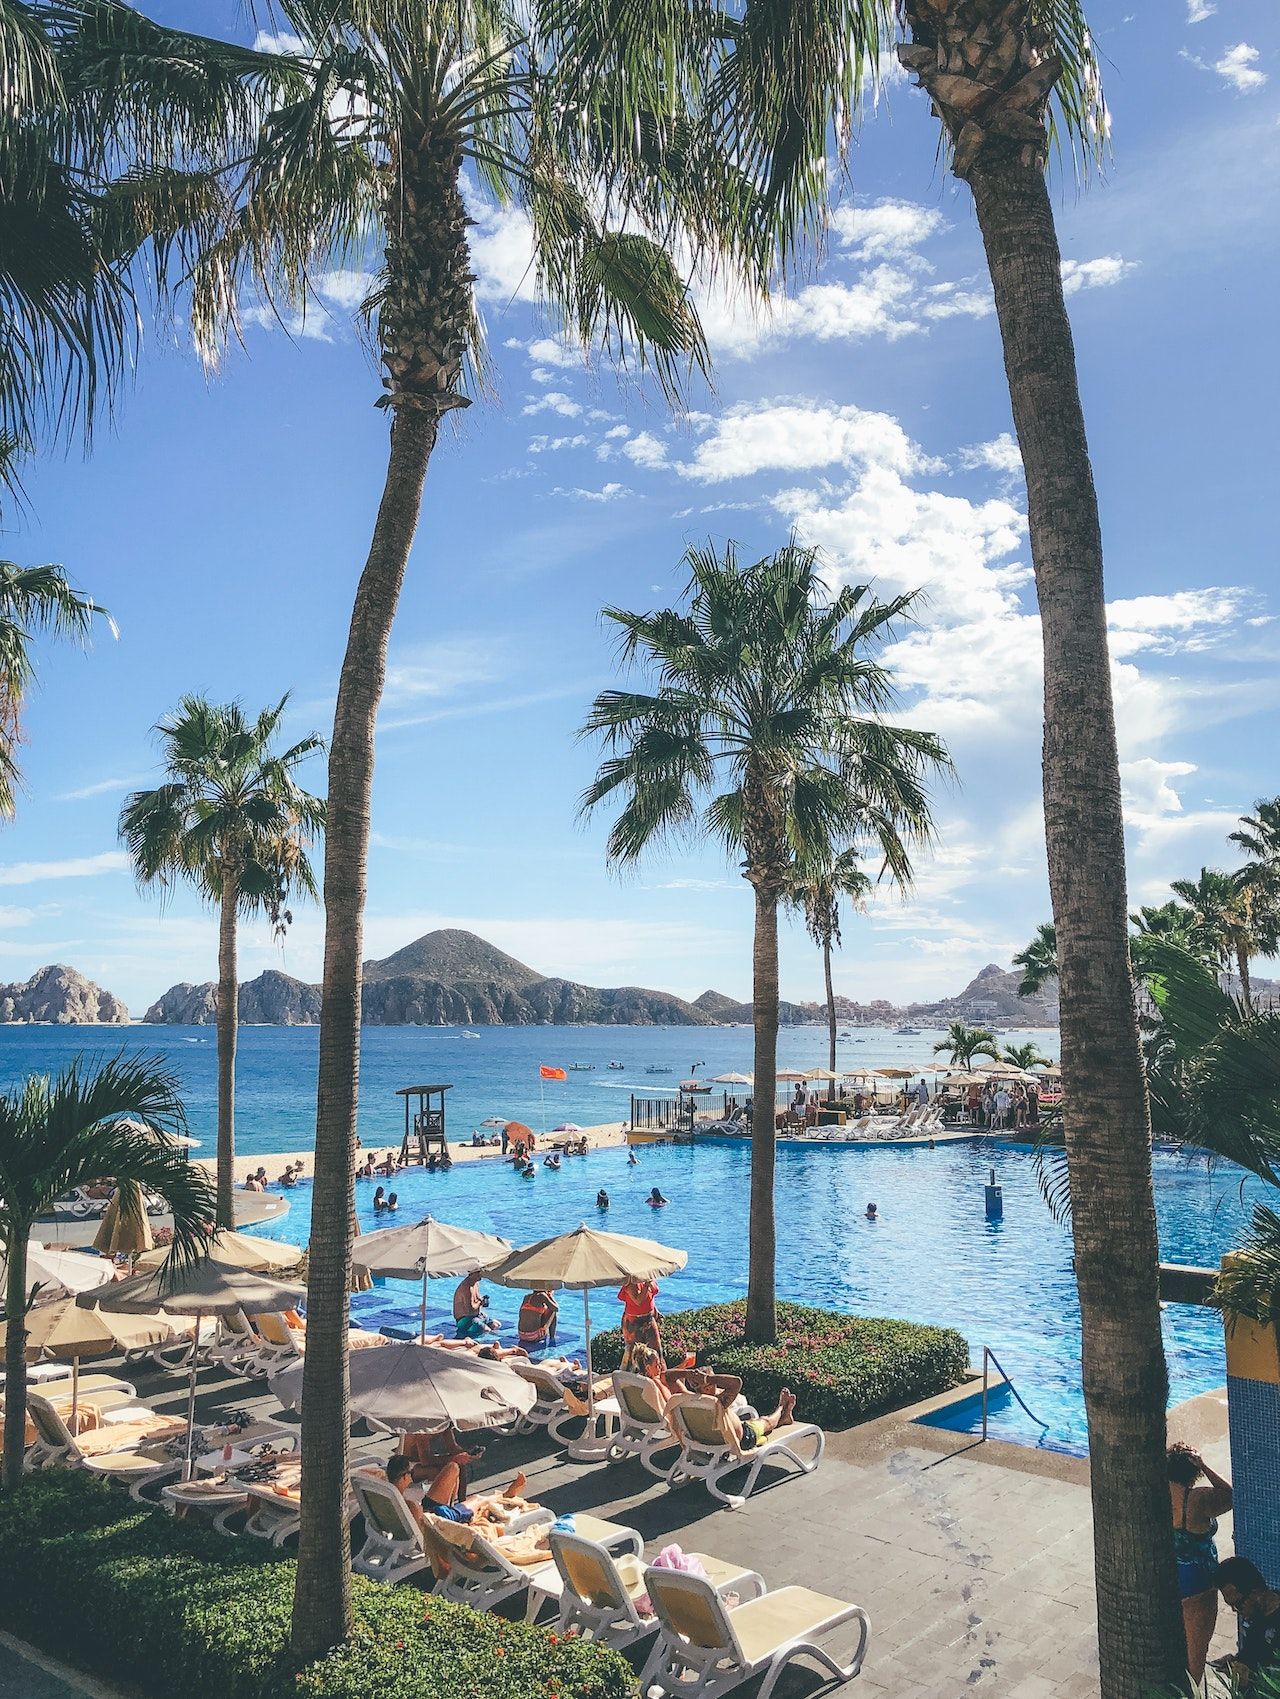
point(745, 1434)
point(485, 1510)
point(683, 1377)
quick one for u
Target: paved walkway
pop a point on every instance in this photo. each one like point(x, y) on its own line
point(973, 1562)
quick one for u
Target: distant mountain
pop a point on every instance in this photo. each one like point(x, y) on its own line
point(447, 978)
point(992, 995)
point(63, 996)
point(717, 1005)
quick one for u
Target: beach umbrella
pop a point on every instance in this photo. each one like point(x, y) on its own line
point(792, 1074)
point(567, 1127)
point(66, 1332)
point(733, 1079)
point(822, 1074)
point(124, 1229)
point(241, 1250)
point(59, 1274)
point(896, 1073)
point(518, 1130)
point(580, 1261)
point(427, 1247)
point(423, 1388)
point(205, 1287)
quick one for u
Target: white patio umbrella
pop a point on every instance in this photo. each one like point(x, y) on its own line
point(427, 1247)
point(60, 1274)
point(66, 1332)
point(822, 1074)
point(580, 1261)
point(732, 1079)
point(241, 1250)
point(423, 1388)
point(567, 1127)
point(204, 1288)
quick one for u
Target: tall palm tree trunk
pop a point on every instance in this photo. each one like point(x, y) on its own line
point(831, 1009)
point(1140, 1636)
point(228, 1032)
point(762, 1309)
point(1246, 984)
point(322, 1597)
point(15, 1359)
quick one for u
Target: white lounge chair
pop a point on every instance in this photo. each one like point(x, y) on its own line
point(280, 1344)
point(705, 1456)
point(550, 1411)
point(600, 1594)
point(705, 1648)
point(237, 1346)
point(642, 1431)
point(57, 1445)
point(472, 1570)
point(393, 1548)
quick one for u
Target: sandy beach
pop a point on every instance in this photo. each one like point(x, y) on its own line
point(598, 1138)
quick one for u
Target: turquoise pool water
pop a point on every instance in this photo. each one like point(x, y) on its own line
point(931, 1256)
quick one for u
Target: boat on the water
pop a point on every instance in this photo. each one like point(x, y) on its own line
point(906, 1032)
point(652, 1070)
point(617, 1066)
point(582, 1067)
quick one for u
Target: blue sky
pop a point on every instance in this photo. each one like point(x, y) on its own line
point(223, 521)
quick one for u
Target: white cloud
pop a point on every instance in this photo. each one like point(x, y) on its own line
point(1199, 10)
point(1237, 66)
point(553, 445)
point(313, 326)
point(966, 299)
point(887, 229)
point(501, 245)
point(444, 667)
point(16, 916)
point(283, 42)
point(878, 304)
point(646, 450)
point(73, 867)
point(1001, 454)
point(606, 492)
point(100, 787)
point(1146, 787)
point(555, 401)
point(345, 288)
point(1095, 274)
point(791, 436)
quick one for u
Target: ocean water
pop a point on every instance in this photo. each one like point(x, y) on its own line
point(931, 1256)
point(493, 1070)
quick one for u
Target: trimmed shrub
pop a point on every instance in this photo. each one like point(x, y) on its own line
point(165, 1607)
point(843, 1369)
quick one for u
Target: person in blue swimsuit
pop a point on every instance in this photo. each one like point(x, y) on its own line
point(1197, 1497)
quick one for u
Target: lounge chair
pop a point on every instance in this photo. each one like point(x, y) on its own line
point(706, 1648)
point(600, 1594)
point(279, 1343)
point(57, 1445)
point(472, 1570)
point(705, 1456)
point(550, 1411)
point(642, 1430)
point(393, 1548)
point(237, 1346)
point(79, 1206)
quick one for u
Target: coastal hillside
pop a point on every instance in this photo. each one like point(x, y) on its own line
point(61, 995)
point(445, 978)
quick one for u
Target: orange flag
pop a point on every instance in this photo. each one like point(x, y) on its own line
point(547, 1073)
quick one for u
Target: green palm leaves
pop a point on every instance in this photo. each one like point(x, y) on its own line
point(963, 1043)
point(33, 599)
point(765, 725)
point(1039, 961)
point(116, 1121)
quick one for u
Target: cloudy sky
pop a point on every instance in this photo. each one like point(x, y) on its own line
point(224, 522)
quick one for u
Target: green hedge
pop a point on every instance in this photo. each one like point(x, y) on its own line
point(164, 1607)
point(842, 1368)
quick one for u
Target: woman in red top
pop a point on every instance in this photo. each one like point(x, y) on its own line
point(639, 1316)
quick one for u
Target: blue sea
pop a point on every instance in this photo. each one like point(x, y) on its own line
point(931, 1256)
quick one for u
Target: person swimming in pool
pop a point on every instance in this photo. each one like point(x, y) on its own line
point(655, 1199)
point(873, 1213)
point(633, 1161)
point(602, 1199)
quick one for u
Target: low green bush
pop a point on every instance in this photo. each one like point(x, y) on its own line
point(842, 1368)
point(163, 1607)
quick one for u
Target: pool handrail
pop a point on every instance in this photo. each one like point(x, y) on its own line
point(989, 1355)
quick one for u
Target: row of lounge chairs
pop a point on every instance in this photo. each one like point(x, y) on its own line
point(716, 1623)
point(919, 1122)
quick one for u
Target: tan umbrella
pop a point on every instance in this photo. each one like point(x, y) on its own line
point(124, 1229)
point(1005, 1068)
point(424, 1388)
point(580, 1261)
point(66, 1332)
point(206, 1287)
point(822, 1074)
point(897, 1073)
point(240, 1250)
point(427, 1247)
point(790, 1074)
point(732, 1079)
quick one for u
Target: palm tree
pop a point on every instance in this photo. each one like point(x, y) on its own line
point(1170, 921)
point(365, 133)
point(1025, 1056)
point(232, 820)
point(32, 599)
point(991, 69)
point(116, 1121)
point(963, 1043)
point(765, 728)
point(1232, 918)
point(817, 893)
point(1039, 961)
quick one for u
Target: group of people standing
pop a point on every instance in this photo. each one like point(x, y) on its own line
point(1004, 1106)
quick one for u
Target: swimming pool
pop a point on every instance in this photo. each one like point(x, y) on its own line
point(931, 1256)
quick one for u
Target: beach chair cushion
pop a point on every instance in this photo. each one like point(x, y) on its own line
point(762, 1625)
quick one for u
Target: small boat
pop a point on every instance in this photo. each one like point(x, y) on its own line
point(582, 1067)
point(617, 1066)
point(657, 1070)
point(906, 1031)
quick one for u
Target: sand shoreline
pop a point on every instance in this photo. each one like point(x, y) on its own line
point(601, 1137)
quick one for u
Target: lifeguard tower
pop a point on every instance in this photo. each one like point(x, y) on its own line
point(423, 1123)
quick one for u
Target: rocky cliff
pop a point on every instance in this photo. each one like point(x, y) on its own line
point(63, 996)
point(447, 978)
